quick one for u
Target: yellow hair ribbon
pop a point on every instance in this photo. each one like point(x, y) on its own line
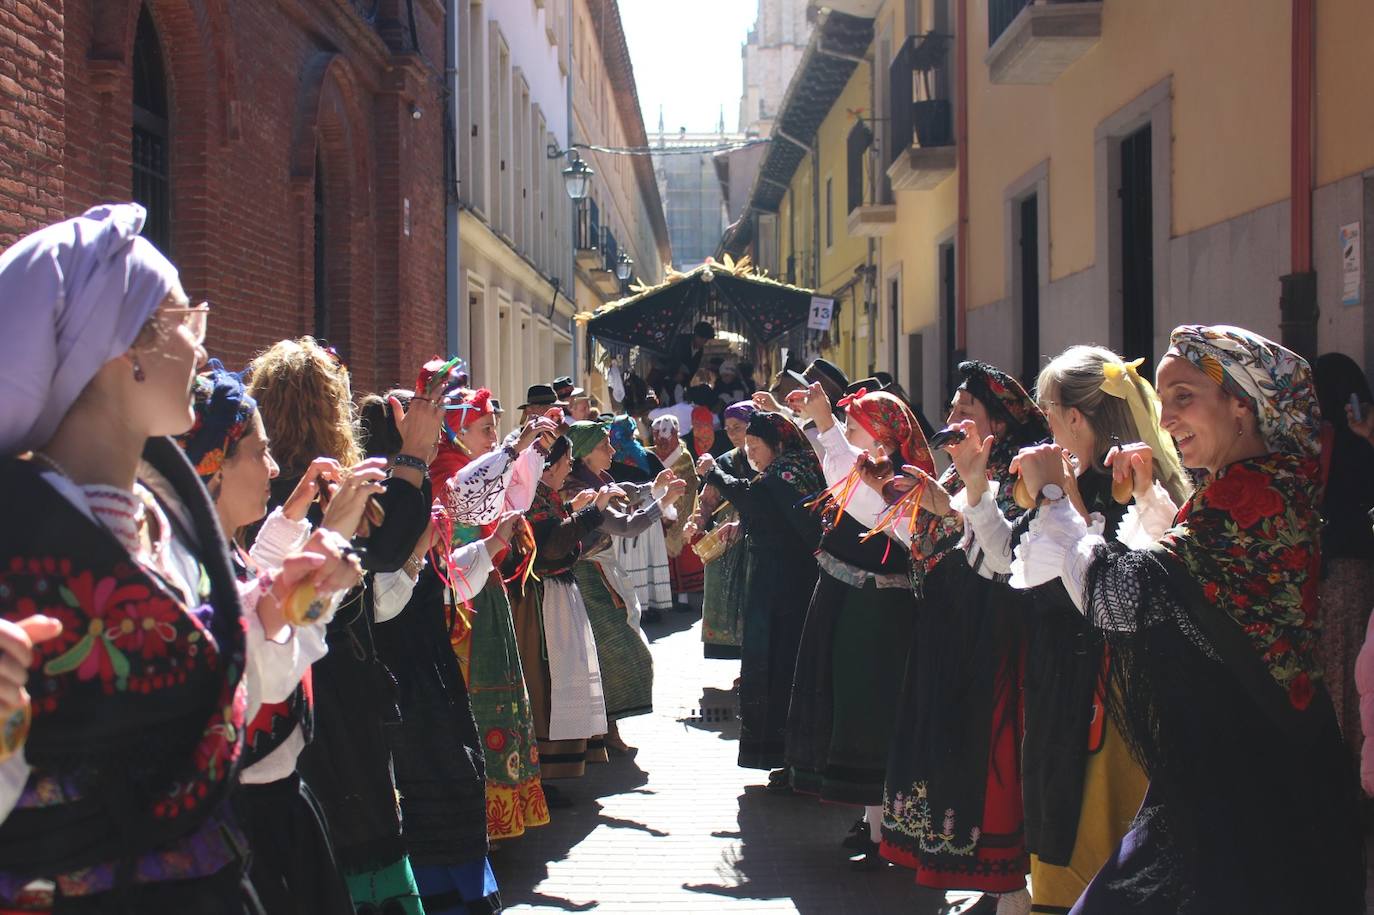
point(1121, 380)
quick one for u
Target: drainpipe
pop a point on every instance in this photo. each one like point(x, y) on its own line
point(1298, 309)
point(568, 266)
point(453, 289)
point(961, 251)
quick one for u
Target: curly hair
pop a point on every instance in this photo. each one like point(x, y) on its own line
point(306, 404)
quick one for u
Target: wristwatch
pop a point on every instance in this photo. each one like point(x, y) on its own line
point(1051, 492)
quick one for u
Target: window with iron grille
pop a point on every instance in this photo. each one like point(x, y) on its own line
point(152, 186)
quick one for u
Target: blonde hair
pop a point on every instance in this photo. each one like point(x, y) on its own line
point(306, 403)
point(1074, 378)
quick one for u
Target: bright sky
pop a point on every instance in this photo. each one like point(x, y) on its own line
point(686, 55)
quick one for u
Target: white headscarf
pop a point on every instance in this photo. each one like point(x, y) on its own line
point(73, 296)
point(666, 421)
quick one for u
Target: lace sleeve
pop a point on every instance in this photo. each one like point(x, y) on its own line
point(1128, 591)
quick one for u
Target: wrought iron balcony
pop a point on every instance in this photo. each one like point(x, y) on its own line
point(921, 117)
point(1031, 42)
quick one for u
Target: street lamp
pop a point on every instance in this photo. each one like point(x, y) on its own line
point(577, 177)
point(624, 266)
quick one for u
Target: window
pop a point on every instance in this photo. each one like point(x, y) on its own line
point(321, 322)
point(152, 186)
point(829, 214)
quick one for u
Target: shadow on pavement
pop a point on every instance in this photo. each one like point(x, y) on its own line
point(782, 854)
point(717, 711)
point(523, 864)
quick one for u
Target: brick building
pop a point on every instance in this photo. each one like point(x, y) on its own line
point(290, 153)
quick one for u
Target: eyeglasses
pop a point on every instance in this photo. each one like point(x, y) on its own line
point(1044, 405)
point(389, 906)
point(195, 318)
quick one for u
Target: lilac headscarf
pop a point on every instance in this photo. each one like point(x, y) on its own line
point(73, 296)
point(743, 411)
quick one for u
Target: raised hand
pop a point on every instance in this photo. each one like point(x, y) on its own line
point(297, 505)
point(1040, 465)
point(419, 426)
point(1133, 471)
point(348, 503)
point(970, 455)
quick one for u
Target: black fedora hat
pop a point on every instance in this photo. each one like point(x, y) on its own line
point(541, 395)
point(828, 375)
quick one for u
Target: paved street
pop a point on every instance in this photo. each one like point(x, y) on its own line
point(681, 828)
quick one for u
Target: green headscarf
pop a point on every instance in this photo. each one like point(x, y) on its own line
point(586, 435)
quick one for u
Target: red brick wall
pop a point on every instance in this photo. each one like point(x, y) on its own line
point(32, 105)
point(254, 86)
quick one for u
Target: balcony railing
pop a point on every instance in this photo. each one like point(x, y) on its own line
point(587, 227)
point(925, 117)
point(1002, 13)
point(610, 250)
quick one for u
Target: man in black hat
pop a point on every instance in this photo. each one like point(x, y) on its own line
point(539, 400)
point(687, 351)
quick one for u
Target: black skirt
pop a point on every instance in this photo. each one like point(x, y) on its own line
point(293, 869)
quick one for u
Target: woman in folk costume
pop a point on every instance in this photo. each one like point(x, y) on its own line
point(1252, 803)
point(144, 657)
point(1080, 784)
point(859, 625)
point(644, 557)
point(293, 867)
point(304, 394)
point(556, 641)
point(783, 534)
point(684, 564)
point(727, 577)
point(437, 752)
point(1347, 538)
point(477, 478)
point(627, 668)
point(952, 806)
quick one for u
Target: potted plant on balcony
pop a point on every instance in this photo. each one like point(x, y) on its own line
point(932, 118)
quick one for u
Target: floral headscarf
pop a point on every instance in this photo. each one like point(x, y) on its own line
point(794, 460)
point(888, 420)
point(223, 411)
point(628, 448)
point(1275, 381)
point(1005, 399)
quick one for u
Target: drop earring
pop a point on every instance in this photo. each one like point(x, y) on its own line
point(139, 375)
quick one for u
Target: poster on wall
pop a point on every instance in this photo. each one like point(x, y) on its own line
point(1350, 264)
point(821, 311)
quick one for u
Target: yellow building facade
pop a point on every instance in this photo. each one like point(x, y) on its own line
point(1051, 173)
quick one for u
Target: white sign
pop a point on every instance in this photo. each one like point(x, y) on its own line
point(821, 312)
point(1350, 264)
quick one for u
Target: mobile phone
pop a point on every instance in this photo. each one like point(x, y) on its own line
point(1355, 408)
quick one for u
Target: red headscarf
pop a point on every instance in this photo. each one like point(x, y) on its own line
point(891, 422)
point(703, 429)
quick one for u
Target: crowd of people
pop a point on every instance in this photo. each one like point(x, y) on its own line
point(269, 646)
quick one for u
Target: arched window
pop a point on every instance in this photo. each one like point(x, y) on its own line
point(152, 185)
point(321, 284)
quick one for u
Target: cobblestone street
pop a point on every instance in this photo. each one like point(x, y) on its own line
point(679, 827)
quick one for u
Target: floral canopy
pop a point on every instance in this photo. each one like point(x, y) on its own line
point(653, 315)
